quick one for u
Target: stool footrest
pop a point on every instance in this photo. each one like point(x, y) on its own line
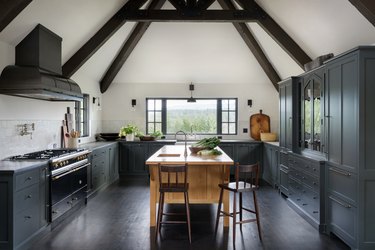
point(173, 222)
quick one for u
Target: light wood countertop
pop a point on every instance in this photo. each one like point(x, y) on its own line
point(174, 154)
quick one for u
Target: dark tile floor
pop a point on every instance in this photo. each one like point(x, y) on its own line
point(118, 218)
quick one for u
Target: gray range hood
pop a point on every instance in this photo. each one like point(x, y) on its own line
point(37, 73)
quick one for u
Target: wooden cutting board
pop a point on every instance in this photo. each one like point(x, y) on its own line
point(65, 134)
point(259, 123)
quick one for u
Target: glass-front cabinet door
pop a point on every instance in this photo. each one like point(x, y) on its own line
point(312, 110)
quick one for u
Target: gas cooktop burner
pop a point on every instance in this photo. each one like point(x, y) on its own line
point(45, 154)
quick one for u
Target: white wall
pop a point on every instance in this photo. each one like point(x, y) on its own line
point(119, 97)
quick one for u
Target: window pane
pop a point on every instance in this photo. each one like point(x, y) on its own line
point(224, 116)
point(150, 128)
point(150, 104)
point(201, 116)
point(157, 116)
point(224, 128)
point(224, 104)
point(232, 116)
point(232, 128)
point(158, 127)
point(232, 104)
point(158, 105)
point(150, 116)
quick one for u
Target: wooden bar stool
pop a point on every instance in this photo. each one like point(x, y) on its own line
point(175, 181)
point(246, 180)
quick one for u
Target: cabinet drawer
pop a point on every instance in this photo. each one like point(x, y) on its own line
point(27, 179)
point(26, 198)
point(342, 218)
point(283, 158)
point(311, 181)
point(98, 153)
point(98, 180)
point(98, 164)
point(343, 184)
point(26, 223)
point(310, 167)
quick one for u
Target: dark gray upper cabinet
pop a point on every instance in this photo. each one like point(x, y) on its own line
point(312, 111)
point(289, 113)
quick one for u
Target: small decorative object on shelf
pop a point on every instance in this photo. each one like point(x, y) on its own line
point(151, 137)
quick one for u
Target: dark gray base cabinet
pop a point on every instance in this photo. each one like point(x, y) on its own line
point(104, 167)
point(306, 190)
point(283, 172)
point(23, 206)
point(270, 164)
point(133, 156)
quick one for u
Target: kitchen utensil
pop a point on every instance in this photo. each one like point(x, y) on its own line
point(69, 120)
point(259, 123)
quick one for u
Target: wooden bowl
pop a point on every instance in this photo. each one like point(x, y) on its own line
point(109, 136)
point(268, 136)
point(195, 150)
point(147, 138)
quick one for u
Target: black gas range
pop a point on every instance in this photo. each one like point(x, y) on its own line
point(67, 175)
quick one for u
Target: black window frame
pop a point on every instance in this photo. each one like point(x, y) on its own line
point(219, 111)
point(83, 107)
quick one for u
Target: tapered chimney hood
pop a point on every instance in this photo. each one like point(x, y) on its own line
point(38, 70)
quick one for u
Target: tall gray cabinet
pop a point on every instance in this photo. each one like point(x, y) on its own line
point(350, 166)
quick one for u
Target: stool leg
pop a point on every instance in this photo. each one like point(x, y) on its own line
point(157, 229)
point(188, 214)
point(240, 211)
point(218, 210)
point(257, 215)
point(234, 219)
point(161, 209)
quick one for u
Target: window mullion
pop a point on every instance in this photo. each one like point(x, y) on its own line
point(164, 116)
point(219, 117)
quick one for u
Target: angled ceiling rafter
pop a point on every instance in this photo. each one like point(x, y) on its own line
point(9, 10)
point(254, 47)
point(277, 33)
point(127, 48)
point(366, 8)
point(100, 37)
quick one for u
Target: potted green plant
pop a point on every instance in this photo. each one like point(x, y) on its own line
point(128, 131)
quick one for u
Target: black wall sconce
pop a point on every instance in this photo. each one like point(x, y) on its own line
point(96, 99)
point(134, 102)
point(250, 103)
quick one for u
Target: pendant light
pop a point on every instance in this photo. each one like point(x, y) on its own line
point(191, 88)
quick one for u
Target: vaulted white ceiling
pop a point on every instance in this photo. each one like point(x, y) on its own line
point(198, 52)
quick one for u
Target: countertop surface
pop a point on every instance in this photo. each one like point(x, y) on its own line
point(174, 154)
point(274, 143)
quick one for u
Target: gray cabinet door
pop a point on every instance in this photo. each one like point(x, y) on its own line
point(249, 153)
point(267, 164)
point(289, 115)
point(113, 152)
point(44, 195)
point(282, 134)
point(343, 117)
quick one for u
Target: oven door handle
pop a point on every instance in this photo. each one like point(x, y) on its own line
point(70, 171)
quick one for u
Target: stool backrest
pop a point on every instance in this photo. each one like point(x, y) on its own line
point(172, 172)
point(247, 174)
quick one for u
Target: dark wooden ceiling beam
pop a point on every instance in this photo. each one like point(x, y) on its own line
point(277, 33)
point(253, 45)
point(9, 9)
point(191, 15)
point(127, 49)
point(204, 4)
point(366, 8)
point(178, 4)
point(100, 37)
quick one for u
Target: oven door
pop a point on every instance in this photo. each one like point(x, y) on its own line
point(67, 188)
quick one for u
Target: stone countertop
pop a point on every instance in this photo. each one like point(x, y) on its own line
point(274, 143)
point(20, 166)
point(174, 154)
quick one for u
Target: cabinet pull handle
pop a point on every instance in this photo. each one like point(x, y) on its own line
point(339, 202)
point(29, 196)
point(340, 172)
point(27, 217)
point(315, 212)
point(29, 178)
point(304, 204)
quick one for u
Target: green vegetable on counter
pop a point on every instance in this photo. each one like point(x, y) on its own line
point(209, 143)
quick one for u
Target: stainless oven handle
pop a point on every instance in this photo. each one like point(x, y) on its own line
point(71, 171)
point(68, 167)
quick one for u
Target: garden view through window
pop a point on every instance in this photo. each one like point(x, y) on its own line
point(205, 116)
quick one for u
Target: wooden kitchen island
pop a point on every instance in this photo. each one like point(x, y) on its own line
point(204, 175)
